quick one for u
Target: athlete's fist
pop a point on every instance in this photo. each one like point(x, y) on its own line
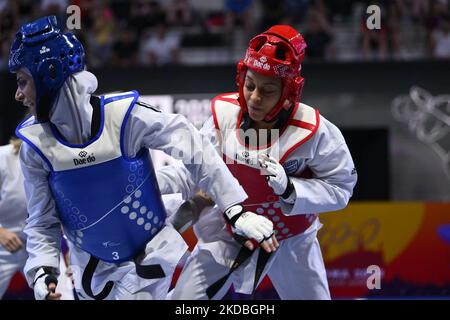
point(277, 178)
point(248, 225)
point(45, 282)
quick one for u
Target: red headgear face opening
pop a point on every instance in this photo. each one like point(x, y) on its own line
point(277, 52)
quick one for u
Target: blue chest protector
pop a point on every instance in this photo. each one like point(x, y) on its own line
point(109, 205)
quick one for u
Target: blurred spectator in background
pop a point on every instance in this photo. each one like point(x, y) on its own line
point(55, 8)
point(179, 13)
point(125, 49)
point(237, 13)
point(273, 13)
point(145, 14)
point(101, 37)
point(25, 9)
point(394, 16)
point(340, 10)
point(8, 18)
point(88, 12)
point(296, 10)
point(322, 8)
point(13, 212)
point(7, 24)
point(162, 48)
point(4, 52)
point(419, 8)
point(121, 10)
point(438, 11)
point(318, 36)
point(374, 43)
point(440, 40)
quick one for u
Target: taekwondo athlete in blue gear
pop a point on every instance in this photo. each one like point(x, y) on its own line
point(94, 219)
point(96, 179)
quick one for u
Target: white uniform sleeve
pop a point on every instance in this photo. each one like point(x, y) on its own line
point(173, 134)
point(43, 227)
point(210, 132)
point(334, 174)
point(176, 179)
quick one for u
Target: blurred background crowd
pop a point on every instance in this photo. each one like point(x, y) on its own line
point(120, 33)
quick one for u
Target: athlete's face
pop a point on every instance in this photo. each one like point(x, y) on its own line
point(261, 94)
point(26, 91)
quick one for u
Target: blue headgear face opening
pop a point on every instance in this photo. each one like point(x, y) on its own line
point(50, 55)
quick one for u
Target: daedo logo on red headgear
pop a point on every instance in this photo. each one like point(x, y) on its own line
point(261, 63)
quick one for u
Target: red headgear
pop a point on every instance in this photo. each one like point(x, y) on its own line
point(277, 52)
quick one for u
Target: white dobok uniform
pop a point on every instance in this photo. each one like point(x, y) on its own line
point(316, 158)
point(144, 128)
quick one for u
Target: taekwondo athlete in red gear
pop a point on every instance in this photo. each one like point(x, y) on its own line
point(299, 168)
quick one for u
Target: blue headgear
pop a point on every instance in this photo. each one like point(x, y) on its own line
point(50, 55)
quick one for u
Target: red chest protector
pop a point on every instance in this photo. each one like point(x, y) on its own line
point(242, 160)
